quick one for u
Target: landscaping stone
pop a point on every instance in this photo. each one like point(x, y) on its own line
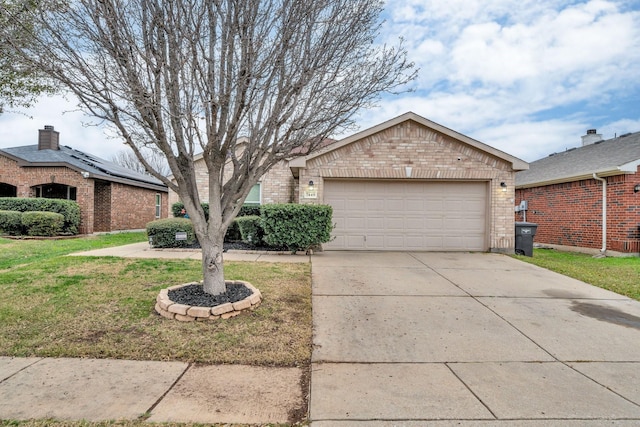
point(178, 309)
point(182, 318)
point(241, 305)
point(199, 312)
point(188, 313)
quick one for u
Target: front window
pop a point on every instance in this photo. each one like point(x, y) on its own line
point(253, 199)
point(158, 205)
point(56, 191)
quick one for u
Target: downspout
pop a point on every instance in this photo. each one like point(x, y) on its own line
point(603, 251)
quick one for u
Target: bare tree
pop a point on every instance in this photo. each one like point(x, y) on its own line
point(129, 160)
point(195, 75)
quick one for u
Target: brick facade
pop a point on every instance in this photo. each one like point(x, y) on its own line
point(276, 186)
point(432, 156)
point(570, 214)
point(126, 207)
point(135, 206)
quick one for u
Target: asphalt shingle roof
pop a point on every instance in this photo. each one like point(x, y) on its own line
point(29, 155)
point(609, 157)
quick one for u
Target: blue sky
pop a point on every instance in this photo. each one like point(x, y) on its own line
point(526, 77)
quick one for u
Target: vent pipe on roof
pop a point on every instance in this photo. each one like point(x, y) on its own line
point(48, 139)
point(591, 137)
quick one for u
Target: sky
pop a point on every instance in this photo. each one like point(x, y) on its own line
point(527, 77)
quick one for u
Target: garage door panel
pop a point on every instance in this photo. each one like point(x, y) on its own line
point(375, 241)
point(375, 223)
point(394, 224)
point(354, 205)
point(412, 206)
point(394, 242)
point(408, 215)
point(416, 224)
point(354, 242)
point(355, 223)
point(375, 204)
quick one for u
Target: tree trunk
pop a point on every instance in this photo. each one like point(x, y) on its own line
point(213, 266)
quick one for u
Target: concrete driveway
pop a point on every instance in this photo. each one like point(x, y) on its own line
point(409, 339)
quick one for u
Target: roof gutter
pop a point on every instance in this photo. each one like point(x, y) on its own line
point(603, 251)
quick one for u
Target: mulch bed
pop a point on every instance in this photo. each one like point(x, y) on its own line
point(195, 296)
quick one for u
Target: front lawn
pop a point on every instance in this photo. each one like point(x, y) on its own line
point(620, 275)
point(59, 306)
point(19, 252)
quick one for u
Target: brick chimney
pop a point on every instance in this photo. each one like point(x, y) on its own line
point(591, 137)
point(48, 139)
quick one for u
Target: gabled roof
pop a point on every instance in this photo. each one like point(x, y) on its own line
point(516, 163)
point(97, 168)
point(606, 158)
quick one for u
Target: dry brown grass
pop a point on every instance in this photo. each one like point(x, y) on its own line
point(103, 308)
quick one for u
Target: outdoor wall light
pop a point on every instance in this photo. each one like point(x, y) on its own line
point(504, 186)
point(311, 185)
point(636, 188)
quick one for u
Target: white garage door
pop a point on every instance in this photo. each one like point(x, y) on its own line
point(392, 215)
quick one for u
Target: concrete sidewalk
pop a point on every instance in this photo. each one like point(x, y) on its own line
point(101, 390)
point(414, 339)
point(142, 250)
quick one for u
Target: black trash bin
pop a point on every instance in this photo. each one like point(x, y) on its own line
point(525, 231)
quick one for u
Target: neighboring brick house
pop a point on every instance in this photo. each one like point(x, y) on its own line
point(405, 184)
point(566, 200)
point(110, 197)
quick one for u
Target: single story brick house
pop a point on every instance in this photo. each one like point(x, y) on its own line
point(565, 194)
point(405, 184)
point(110, 197)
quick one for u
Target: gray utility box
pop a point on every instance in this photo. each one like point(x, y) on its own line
point(525, 231)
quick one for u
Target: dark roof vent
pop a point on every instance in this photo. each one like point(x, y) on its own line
point(48, 139)
point(591, 132)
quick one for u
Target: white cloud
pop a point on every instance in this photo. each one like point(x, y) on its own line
point(494, 69)
point(76, 130)
point(526, 76)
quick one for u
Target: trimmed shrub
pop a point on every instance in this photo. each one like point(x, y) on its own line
point(250, 229)
point(249, 210)
point(176, 210)
point(296, 227)
point(233, 232)
point(245, 210)
point(11, 223)
point(38, 223)
point(69, 209)
point(162, 233)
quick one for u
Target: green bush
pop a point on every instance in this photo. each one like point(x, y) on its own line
point(250, 229)
point(69, 209)
point(11, 223)
point(233, 232)
point(249, 210)
point(162, 233)
point(38, 223)
point(245, 210)
point(297, 227)
point(176, 210)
